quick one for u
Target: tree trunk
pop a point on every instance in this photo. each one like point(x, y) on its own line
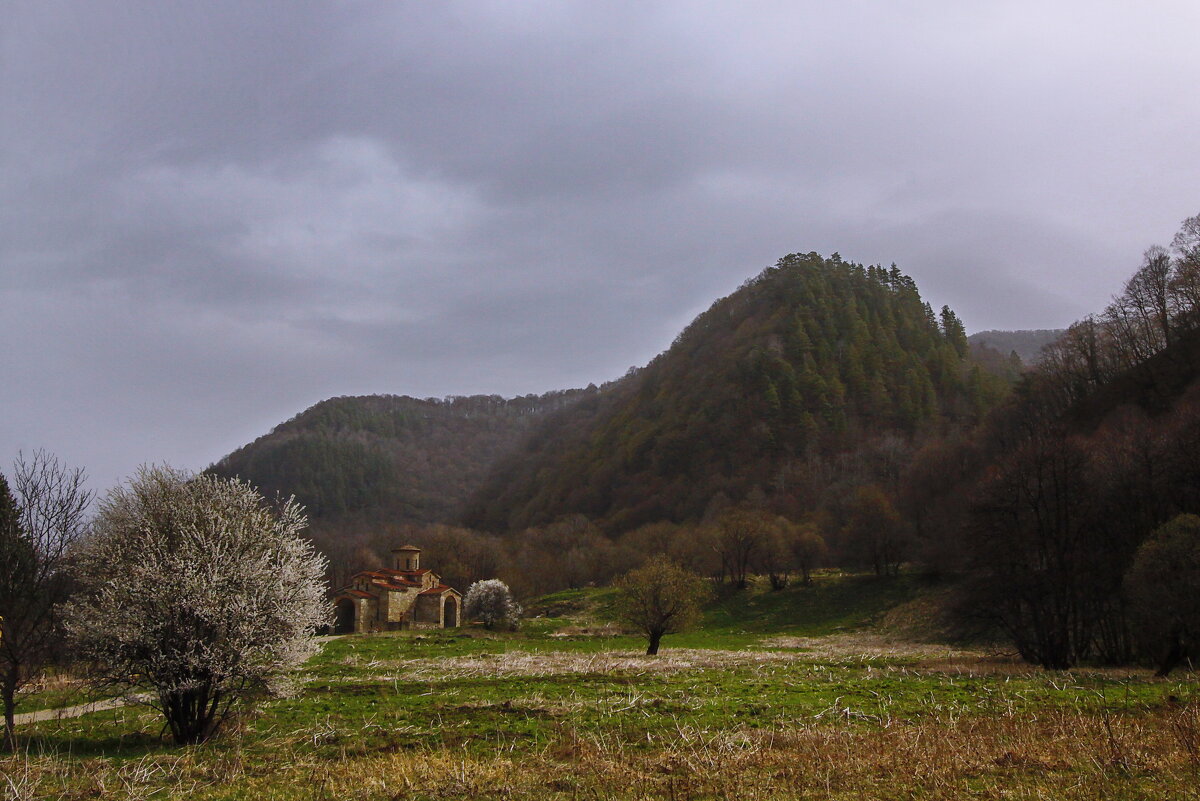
point(1172, 657)
point(655, 639)
point(10, 706)
point(191, 714)
point(8, 691)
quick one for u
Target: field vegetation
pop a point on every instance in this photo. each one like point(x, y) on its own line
point(808, 692)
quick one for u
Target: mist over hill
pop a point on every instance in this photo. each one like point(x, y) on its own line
point(1027, 344)
point(387, 457)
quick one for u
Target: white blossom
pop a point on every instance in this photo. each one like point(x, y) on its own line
point(198, 591)
point(491, 603)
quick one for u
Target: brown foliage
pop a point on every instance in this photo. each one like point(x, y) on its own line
point(660, 598)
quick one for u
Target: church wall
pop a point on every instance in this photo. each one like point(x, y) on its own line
point(428, 610)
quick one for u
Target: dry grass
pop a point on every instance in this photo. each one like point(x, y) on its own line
point(586, 747)
point(1061, 754)
point(559, 663)
point(861, 646)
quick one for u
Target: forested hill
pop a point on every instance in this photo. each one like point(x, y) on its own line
point(389, 458)
point(1027, 344)
point(817, 371)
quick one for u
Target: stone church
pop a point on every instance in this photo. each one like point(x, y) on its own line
point(401, 597)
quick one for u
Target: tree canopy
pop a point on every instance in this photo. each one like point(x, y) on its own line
point(812, 359)
point(200, 589)
point(660, 598)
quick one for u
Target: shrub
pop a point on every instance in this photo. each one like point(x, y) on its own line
point(492, 604)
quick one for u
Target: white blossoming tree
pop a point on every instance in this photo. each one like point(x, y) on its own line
point(198, 593)
point(492, 604)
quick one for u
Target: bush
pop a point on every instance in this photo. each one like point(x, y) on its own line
point(198, 589)
point(492, 604)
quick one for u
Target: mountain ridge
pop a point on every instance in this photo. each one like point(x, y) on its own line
point(761, 391)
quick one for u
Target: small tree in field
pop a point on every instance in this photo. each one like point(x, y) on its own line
point(195, 588)
point(492, 604)
point(660, 598)
point(38, 528)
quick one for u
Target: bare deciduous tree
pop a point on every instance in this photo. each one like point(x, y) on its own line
point(808, 548)
point(740, 538)
point(773, 557)
point(37, 530)
point(197, 589)
point(874, 533)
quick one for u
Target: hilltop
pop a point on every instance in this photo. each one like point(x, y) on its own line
point(816, 371)
point(815, 377)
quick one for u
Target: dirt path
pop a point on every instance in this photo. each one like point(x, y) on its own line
point(97, 706)
point(69, 711)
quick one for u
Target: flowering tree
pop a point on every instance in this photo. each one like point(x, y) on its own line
point(491, 603)
point(199, 591)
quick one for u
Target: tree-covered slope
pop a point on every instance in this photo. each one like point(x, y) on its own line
point(1027, 344)
point(1045, 509)
point(387, 457)
point(769, 391)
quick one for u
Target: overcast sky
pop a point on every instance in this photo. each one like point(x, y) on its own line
point(216, 213)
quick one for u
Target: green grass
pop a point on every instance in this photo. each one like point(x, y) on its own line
point(56, 698)
point(358, 680)
point(832, 603)
point(535, 714)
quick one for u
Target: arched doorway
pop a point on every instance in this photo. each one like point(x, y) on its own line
point(450, 613)
point(344, 621)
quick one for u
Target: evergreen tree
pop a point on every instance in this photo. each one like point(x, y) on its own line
point(954, 332)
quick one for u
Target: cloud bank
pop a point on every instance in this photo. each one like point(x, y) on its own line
point(215, 214)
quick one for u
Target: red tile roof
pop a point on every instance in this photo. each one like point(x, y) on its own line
point(391, 572)
point(356, 593)
point(389, 579)
point(438, 590)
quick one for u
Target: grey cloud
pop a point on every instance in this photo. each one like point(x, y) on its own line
point(214, 214)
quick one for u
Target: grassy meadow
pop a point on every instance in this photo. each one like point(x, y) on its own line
point(810, 692)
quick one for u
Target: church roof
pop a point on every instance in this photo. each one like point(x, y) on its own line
point(395, 579)
point(438, 590)
point(406, 548)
